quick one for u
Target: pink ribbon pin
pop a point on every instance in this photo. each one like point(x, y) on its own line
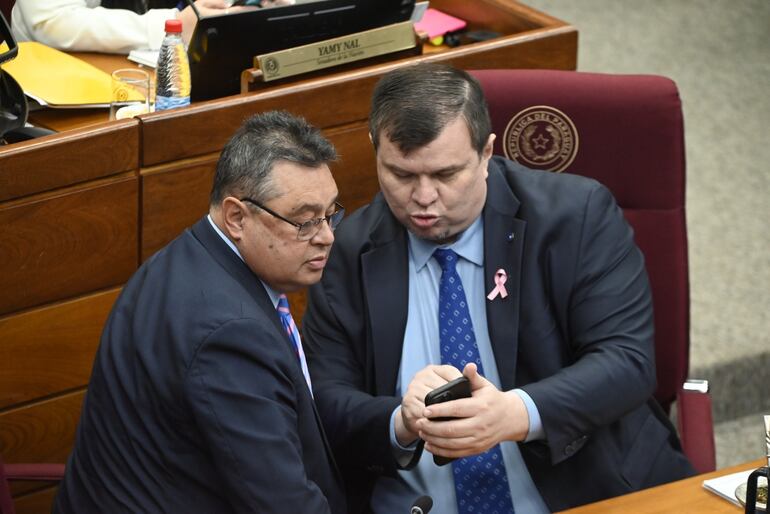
point(500, 278)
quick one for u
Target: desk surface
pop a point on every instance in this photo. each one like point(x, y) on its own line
point(683, 496)
point(66, 119)
point(526, 38)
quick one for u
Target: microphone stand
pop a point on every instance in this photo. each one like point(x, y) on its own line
point(422, 505)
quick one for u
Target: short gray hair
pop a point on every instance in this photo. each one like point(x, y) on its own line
point(246, 163)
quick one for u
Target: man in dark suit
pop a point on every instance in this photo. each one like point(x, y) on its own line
point(528, 283)
point(200, 400)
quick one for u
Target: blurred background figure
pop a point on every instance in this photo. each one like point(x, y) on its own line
point(111, 26)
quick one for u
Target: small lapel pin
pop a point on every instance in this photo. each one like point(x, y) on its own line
point(500, 278)
point(510, 237)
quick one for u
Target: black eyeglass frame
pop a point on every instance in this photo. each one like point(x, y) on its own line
point(333, 219)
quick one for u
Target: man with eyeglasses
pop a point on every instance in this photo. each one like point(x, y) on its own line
point(526, 282)
point(200, 399)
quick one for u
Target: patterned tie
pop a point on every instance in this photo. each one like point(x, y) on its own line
point(481, 483)
point(291, 329)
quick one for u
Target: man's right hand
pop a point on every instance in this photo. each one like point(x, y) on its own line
point(413, 402)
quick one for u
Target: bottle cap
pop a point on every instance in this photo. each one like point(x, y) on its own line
point(173, 25)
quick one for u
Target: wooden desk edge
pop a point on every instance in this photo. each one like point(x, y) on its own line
point(688, 491)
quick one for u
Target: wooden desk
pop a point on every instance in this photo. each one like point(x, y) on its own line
point(683, 496)
point(80, 210)
point(528, 39)
point(62, 120)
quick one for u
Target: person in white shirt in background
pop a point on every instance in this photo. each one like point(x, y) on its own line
point(110, 26)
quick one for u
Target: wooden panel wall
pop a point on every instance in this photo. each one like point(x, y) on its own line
point(355, 172)
point(68, 243)
point(50, 162)
point(69, 238)
point(36, 503)
point(173, 198)
point(50, 349)
point(43, 431)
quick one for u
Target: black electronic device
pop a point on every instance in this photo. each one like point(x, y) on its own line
point(222, 46)
point(454, 390)
point(481, 35)
point(6, 36)
point(422, 505)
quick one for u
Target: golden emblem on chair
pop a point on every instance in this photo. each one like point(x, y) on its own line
point(541, 137)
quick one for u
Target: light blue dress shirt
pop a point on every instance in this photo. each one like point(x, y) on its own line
point(420, 349)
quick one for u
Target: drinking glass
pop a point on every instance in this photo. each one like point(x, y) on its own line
point(130, 93)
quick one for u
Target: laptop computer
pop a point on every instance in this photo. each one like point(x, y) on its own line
point(223, 46)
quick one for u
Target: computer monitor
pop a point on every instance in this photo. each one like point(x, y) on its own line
point(223, 46)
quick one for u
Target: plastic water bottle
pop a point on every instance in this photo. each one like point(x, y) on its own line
point(173, 71)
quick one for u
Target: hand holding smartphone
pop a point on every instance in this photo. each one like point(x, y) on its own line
point(454, 390)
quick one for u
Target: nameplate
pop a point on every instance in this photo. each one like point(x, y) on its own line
point(333, 52)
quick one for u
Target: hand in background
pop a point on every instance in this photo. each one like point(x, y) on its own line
point(413, 403)
point(205, 8)
point(276, 3)
point(489, 417)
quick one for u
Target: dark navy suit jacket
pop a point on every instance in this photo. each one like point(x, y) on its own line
point(197, 403)
point(575, 332)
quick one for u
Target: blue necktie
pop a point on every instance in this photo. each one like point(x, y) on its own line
point(291, 330)
point(481, 483)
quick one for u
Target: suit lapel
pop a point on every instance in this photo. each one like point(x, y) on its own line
point(233, 264)
point(386, 289)
point(503, 246)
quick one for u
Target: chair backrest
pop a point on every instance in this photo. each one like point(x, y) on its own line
point(6, 501)
point(38, 472)
point(626, 131)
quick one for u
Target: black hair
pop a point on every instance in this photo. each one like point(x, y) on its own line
point(412, 105)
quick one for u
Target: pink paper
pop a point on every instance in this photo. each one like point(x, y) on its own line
point(437, 23)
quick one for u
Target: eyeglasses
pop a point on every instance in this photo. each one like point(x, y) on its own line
point(308, 229)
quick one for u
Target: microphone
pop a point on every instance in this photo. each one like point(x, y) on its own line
point(422, 505)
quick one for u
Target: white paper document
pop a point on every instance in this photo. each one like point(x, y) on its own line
point(725, 486)
point(419, 10)
point(146, 57)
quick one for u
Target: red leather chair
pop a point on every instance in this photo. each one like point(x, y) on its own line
point(626, 131)
point(33, 472)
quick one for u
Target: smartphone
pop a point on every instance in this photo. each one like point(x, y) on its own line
point(454, 390)
point(255, 3)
